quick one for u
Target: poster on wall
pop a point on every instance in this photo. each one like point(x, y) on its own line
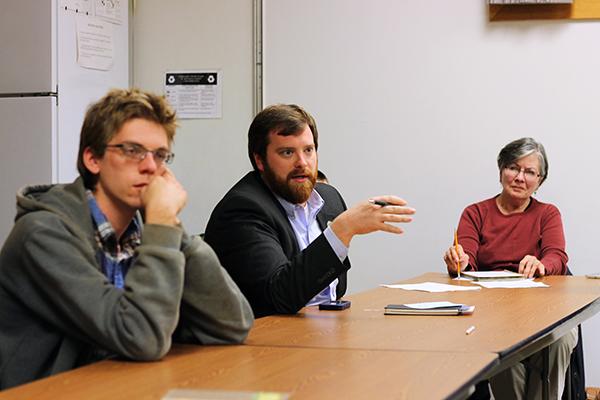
point(95, 43)
point(195, 94)
point(109, 10)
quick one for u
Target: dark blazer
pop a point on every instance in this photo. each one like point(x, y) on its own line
point(255, 242)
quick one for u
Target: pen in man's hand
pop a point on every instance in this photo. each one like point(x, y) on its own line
point(456, 248)
point(379, 202)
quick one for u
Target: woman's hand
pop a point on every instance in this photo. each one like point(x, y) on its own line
point(531, 267)
point(452, 257)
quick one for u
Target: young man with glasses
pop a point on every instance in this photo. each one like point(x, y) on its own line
point(84, 277)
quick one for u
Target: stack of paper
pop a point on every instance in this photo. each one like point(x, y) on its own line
point(502, 279)
point(511, 284)
point(492, 275)
point(429, 308)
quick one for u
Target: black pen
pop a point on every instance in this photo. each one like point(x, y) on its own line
point(379, 202)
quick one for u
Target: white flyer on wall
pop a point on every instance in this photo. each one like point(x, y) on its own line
point(195, 94)
point(95, 43)
point(109, 10)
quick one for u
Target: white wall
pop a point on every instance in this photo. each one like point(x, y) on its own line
point(210, 155)
point(416, 98)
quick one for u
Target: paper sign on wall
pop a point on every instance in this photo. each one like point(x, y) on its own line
point(110, 10)
point(194, 94)
point(95, 43)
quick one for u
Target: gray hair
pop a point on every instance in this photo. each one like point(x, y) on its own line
point(520, 148)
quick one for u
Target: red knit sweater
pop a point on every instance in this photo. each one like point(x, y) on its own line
point(496, 241)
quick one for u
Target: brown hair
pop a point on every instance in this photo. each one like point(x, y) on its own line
point(106, 117)
point(282, 119)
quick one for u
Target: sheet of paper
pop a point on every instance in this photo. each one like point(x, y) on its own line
point(511, 284)
point(493, 274)
point(432, 287)
point(195, 94)
point(95, 43)
point(432, 304)
point(109, 10)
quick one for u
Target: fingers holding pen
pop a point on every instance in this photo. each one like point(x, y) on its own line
point(453, 255)
point(451, 259)
point(388, 200)
point(392, 209)
point(463, 257)
point(379, 213)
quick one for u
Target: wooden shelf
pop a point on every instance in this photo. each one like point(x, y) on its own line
point(579, 9)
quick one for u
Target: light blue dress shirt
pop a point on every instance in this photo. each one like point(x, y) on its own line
point(306, 227)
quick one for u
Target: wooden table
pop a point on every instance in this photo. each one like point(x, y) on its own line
point(506, 321)
point(355, 353)
point(303, 372)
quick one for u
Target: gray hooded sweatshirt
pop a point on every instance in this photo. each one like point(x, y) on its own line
point(58, 311)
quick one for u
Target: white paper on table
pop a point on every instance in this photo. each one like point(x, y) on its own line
point(511, 284)
point(432, 287)
point(432, 304)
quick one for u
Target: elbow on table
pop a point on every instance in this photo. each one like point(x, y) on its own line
point(153, 349)
point(283, 301)
point(287, 309)
point(227, 332)
point(239, 331)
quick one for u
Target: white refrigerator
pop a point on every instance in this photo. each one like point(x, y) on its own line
point(48, 77)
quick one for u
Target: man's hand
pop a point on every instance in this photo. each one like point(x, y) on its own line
point(367, 217)
point(163, 199)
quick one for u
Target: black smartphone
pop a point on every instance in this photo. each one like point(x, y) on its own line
point(335, 305)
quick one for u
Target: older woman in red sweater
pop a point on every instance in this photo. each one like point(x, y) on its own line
point(515, 231)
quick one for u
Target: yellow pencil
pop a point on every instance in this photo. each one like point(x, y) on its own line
point(456, 248)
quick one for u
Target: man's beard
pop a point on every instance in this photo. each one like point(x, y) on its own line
point(295, 193)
